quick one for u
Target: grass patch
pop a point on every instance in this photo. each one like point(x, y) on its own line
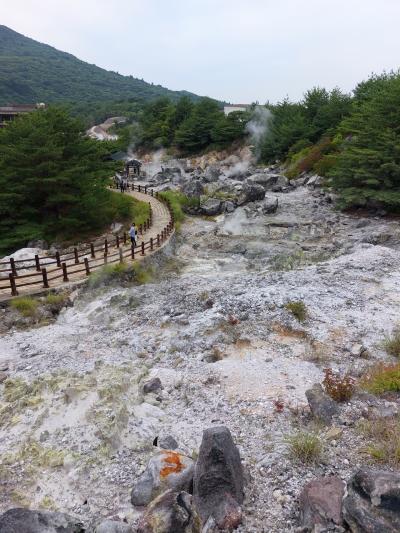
point(392, 343)
point(305, 447)
point(384, 437)
point(56, 299)
point(177, 202)
point(119, 272)
point(298, 310)
point(382, 378)
point(25, 305)
point(287, 261)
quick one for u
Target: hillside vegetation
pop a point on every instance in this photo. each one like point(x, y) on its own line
point(34, 72)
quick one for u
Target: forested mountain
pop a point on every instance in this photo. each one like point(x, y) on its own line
point(34, 72)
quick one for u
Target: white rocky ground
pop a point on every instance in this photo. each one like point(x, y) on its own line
point(215, 331)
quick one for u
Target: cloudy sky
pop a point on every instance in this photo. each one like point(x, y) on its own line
point(235, 50)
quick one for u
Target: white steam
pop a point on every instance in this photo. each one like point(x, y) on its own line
point(258, 126)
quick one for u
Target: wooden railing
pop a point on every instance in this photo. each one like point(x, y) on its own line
point(47, 269)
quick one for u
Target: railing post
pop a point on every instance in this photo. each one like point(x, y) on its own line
point(45, 280)
point(124, 237)
point(92, 250)
point(117, 241)
point(76, 256)
point(105, 258)
point(13, 286)
point(37, 262)
point(58, 259)
point(158, 239)
point(87, 268)
point(142, 247)
point(121, 255)
point(13, 267)
point(65, 273)
point(145, 189)
point(133, 251)
point(105, 247)
point(139, 187)
point(141, 229)
point(151, 243)
point(152, 192)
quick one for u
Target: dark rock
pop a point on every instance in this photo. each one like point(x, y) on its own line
point(166, 470)
point(322, 406)
point(218, 479)
point(212, 173)
point(171, 512)
point(3, 376)
point(373, 502)
point(26, 521)
point(270, 206)
point(321, 503)
point(251, 192)
point(111, 526)
point(153, 385)
point(229, 206)
point(211, 207)
point(167, 442)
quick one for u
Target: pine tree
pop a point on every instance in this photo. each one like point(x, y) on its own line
point(52, 179)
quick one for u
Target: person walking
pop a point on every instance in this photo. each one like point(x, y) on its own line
point(133, 234)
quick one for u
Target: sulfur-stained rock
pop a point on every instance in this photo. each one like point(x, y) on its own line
point(322, 406)
point(166, 470)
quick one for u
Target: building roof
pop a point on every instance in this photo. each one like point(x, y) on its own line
point(19, 108)
point(237, 105)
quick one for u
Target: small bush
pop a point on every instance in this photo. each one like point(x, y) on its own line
point(287, 262)
point(298, 310)
point(382, 378)
point(178, 201)
point(55, 299)
point(384, 436)
point(120, 272)
point(26, 305)
point(125, 208)
point(392, 343)
point(305, 447)
point(339, 388)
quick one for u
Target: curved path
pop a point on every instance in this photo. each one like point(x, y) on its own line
point(72, 268)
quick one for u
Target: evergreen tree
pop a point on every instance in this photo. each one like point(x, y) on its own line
point(52, 179)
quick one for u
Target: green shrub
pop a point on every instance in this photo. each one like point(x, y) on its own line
point(25, 305)
point(392, 343)
point(56, 299)
point(125, 208)
point(298, 310)
point(382, 378)
point(305, 447)
point(120, 272)
point(178, 201)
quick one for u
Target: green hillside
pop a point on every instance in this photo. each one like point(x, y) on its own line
point(34, 72)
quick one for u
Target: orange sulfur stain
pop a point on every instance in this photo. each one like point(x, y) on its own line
point(173, 464)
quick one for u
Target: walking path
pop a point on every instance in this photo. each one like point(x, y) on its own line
point(34, 275)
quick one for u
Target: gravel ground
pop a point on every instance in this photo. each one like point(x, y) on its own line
point(76, 428)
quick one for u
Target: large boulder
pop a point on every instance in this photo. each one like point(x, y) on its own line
point(171, 512)
point(218, 479)
point(315, 181)
point(193, 188)
point(20, 520)
point(323, 408)
point(211, 207)
point(212, 173)
point(166, 470)
point(321, 503)
point(372, 504)
point(251, 192)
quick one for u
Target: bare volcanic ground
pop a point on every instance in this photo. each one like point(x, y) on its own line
point(76, 428)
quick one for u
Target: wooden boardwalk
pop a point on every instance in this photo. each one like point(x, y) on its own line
point(34, 275)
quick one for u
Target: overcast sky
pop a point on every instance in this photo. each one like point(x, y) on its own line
point(234, 50)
